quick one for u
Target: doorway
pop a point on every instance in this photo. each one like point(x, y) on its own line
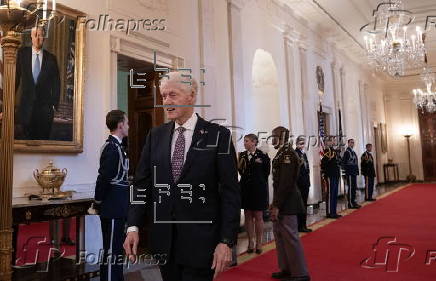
point(139, 104)
point(427, 125)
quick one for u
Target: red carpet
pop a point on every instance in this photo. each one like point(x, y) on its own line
point(337, 252)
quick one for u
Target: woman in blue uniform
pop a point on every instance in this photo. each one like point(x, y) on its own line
point(254, 168)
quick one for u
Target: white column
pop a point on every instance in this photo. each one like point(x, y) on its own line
point(236, 61)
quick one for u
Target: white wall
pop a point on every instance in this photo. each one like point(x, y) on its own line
point(254, 25)
point(402, 118)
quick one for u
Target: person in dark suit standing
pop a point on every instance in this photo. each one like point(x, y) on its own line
point(37, 75)
point(112, 195)
point(330, 169)
point(351, 167)
point(368, 171)
point(187, 184)
point(254, 167)
point(303, 183)
point(286, 205)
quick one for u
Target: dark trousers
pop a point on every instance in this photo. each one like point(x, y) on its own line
point(369, 187)
point(332, 195)
point(174, 271)
point(39, 128)
point(351, 190)
point(290, 253)
point(112, 230)
point(302, 218)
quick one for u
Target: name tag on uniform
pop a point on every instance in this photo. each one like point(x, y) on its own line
point(258, 160)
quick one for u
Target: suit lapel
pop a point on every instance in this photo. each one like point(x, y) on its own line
point(198, 133)
point(166, 149)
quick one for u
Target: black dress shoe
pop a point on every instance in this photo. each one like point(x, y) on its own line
point(334, 216)
point(281, 275)
point(301, 278)
point(250, 250)
point(372, 199)
point(258, 251)
point(68, 241)
point(305, 230)
point(357, 206)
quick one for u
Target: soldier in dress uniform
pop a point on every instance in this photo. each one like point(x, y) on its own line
point(112, 195)
point(330, 169)
point(286, 205)
point(254, 168)
point(303, 183)
point(368, 171)
point(351, 167)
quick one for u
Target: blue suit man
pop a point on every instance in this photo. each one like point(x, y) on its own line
point(112, 196)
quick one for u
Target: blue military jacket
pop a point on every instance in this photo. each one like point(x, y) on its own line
point(112, 187)
point(350, 162)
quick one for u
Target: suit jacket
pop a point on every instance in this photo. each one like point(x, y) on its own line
point(207, 190)
point(41, 96)
point(112, 187)
point(367, 164)
point(286, 167)
point(330, 163)
point(350, 163)
point(304, 175)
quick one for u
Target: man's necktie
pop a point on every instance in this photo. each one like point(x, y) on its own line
point(36, 69)
point(178, 154)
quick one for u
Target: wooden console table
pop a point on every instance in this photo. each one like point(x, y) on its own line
point(25, 211)
point(394, 167)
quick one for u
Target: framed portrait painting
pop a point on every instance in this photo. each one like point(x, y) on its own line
point(49, 85)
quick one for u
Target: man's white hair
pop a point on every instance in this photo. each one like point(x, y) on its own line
point(187, 84)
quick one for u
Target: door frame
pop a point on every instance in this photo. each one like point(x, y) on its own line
point(142, 48)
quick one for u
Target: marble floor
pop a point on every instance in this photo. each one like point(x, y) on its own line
point(151, 273)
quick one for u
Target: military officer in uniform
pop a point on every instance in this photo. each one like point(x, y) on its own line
point(254, 168)
point(330, 169)
point(286, 205)
point(351, 168)
point(112, 195)
point(368, 171)
point(303, 183)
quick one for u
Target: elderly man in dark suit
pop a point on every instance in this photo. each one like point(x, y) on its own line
point(186, 182)
point(286, 205)
point(38, 77)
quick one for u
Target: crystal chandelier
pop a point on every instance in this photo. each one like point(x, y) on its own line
point(389, 44)
point(425, 100)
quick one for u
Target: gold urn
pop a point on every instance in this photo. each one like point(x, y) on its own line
point(50, 179)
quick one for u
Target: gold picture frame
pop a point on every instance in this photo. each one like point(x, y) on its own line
point(383, 137)
point(74, 97)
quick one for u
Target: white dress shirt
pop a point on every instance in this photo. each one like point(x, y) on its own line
point(40, 54)
point(189, 125)
point(118, 139)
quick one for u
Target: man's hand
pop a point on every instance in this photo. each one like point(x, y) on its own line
point(221, 258)
point(131, 245)
point(274, 213)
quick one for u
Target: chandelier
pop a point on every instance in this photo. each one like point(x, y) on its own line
point(425, 100)
point(390, 46)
